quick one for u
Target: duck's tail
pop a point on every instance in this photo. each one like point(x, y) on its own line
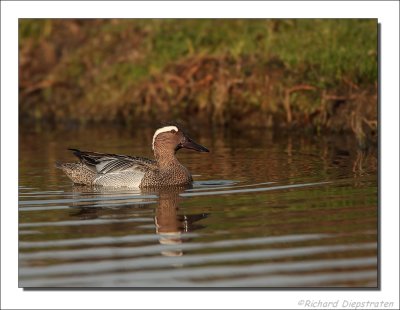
point(59, 165)
point(77, 172)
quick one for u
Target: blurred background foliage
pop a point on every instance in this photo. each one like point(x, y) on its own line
point(296, 73)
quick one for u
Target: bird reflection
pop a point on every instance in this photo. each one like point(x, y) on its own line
point(169, 225)
point(169, 222)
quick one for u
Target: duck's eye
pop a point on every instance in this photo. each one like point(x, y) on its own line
point(173, 131)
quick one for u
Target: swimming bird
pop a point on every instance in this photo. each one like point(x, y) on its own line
point(112, 170)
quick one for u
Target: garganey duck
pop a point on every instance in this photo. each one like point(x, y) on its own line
point(111, 170)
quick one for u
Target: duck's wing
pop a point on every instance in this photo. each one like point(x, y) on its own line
point(103, 163)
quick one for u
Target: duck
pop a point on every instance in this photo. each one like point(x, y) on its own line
point(113, 170)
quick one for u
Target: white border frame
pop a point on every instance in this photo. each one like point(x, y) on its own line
point(12, 297)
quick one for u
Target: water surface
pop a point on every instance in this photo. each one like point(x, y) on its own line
point(265, 210)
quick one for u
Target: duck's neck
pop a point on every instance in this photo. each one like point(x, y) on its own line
point(166, 158)
point(170, 169)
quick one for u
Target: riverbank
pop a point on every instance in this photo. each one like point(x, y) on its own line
point(292, 74)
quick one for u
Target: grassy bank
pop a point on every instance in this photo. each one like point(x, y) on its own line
point(320, 74)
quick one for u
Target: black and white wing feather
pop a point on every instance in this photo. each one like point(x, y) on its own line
point(103, 163)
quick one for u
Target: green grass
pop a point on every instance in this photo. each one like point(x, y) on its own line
point(326, 48)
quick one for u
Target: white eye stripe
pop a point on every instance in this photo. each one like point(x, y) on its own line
point(161, 130)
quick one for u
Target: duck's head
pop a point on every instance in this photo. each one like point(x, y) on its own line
point(172, 138)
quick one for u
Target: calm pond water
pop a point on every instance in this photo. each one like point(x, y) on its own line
point(265, 210)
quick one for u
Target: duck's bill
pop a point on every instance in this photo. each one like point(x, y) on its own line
point(190, 144)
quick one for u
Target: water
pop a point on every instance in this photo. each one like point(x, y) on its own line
point(264, 211)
